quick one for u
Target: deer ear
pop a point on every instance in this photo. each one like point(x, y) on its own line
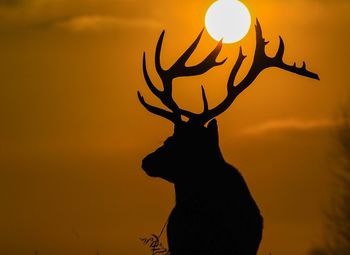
point(213, 128)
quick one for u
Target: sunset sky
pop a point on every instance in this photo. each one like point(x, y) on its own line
point(73, 134)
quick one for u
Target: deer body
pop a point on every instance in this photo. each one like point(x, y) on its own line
point(215, 213)
point(221, 218)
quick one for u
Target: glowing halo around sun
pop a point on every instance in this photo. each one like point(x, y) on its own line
point(228, 20)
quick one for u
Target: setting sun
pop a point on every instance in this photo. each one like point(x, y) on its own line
point(228, 20)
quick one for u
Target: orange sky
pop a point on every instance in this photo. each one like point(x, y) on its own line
point(73, 133)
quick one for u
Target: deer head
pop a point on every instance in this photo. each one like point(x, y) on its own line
point(192, 147)
point(193, 143)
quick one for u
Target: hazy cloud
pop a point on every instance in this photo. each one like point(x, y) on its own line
point(290, 125)
point(76, 15)
point(98, 22)
point(10, 2)
point(93, 14)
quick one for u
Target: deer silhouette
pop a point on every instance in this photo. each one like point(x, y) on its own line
point(215, 212)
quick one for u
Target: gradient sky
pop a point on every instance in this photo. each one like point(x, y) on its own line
point(73, 133)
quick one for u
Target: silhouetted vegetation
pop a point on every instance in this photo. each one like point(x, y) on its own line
point(155, 245)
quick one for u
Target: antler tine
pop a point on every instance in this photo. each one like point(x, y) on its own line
point(205, 100)
point(230, 97)
point(166, 95)
point(261, 61)
point(157, 111)
point(179, 69)
point(187, 54)
point(234, 71)
point(159, 68)
point(148, 80)
point(208, 63)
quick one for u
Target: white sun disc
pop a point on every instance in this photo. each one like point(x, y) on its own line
point(228, 20)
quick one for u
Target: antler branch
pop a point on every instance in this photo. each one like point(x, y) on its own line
point(261, 61)
point(155, 110)
point(205, 100)
point(178, 69)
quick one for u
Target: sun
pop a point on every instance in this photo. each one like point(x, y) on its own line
point(228, 20)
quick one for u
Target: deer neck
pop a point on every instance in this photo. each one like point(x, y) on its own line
point(196, 187)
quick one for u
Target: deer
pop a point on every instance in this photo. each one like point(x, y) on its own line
point(214, 212)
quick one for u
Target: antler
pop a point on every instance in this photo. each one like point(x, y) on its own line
point(261, 61)
point(178, 69)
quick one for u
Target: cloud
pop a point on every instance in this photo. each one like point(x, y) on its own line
point(102, 22)
point(76, 15)
point(10, 3)
point(290, 125)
